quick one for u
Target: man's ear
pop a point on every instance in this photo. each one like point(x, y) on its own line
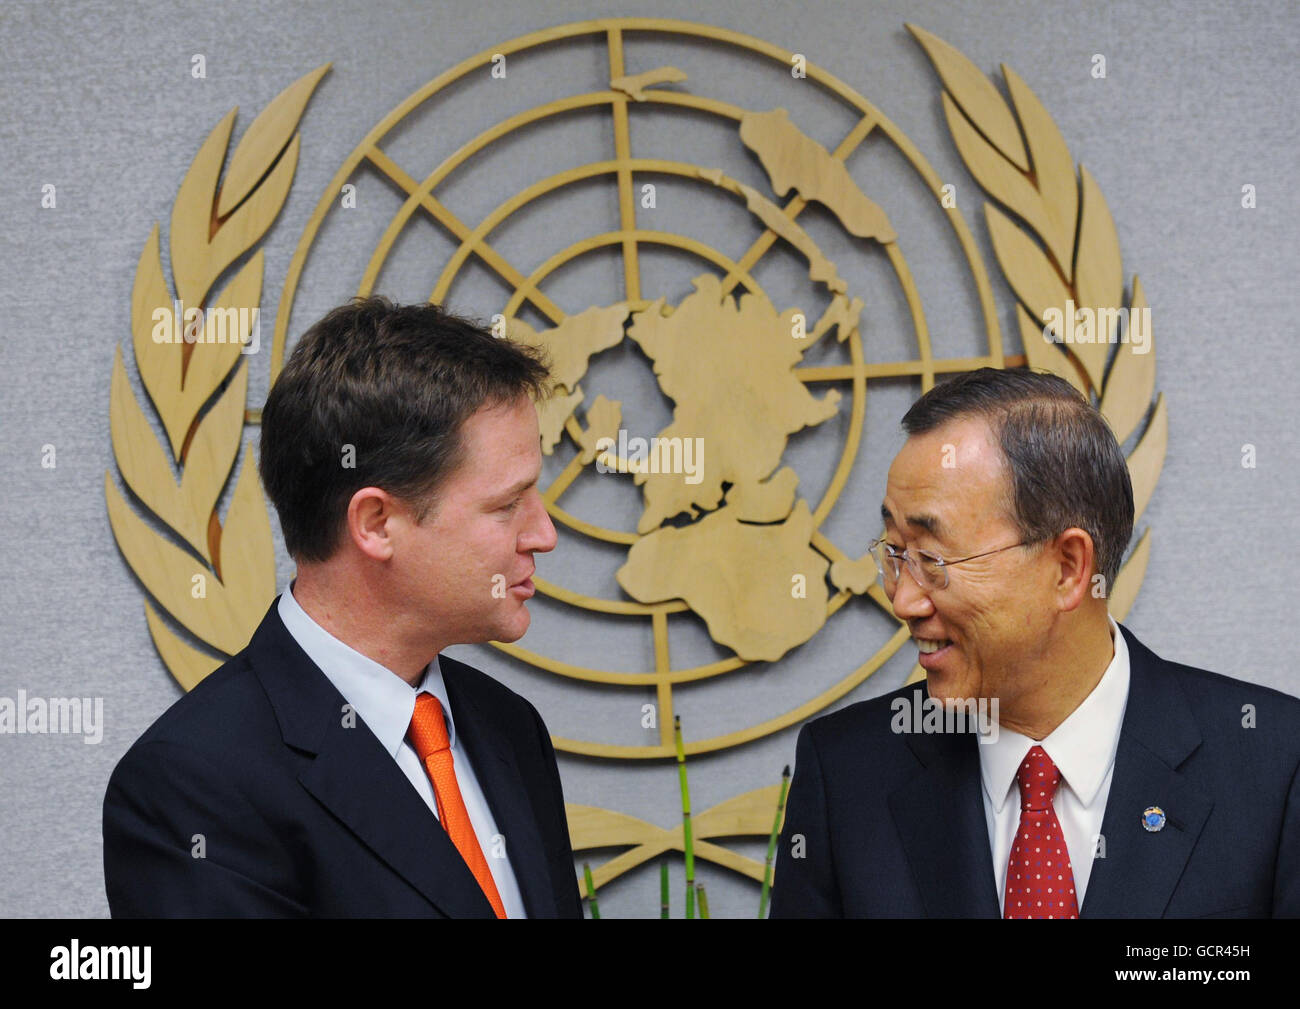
point(1073, 552)
point(372, 515)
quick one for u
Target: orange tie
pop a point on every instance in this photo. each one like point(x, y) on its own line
point(428, 735)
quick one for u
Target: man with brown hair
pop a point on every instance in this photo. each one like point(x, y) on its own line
point(339, 765)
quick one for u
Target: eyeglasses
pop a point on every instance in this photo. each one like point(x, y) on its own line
point(929, 570)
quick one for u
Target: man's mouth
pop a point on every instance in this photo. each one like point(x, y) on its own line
point(933, 652)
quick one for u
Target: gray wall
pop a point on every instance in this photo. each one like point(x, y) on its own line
point(99, 101)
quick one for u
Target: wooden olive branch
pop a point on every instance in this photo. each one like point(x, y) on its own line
point(214, 579)
point(1061, 247)
point(745, 815)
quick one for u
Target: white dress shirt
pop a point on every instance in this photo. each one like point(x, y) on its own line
point(386, 702)
point(1083, 749)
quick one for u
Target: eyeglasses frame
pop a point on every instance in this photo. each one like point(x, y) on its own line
point(908, 558)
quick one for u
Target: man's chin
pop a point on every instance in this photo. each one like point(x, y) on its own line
point(515, 629)
point(945, 685)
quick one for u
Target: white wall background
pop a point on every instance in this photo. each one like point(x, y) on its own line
point(98, 100)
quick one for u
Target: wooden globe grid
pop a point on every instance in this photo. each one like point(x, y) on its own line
point(474, 240)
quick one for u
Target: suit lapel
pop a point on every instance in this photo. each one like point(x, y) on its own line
point(356, 779)
point(940, 817)
point(1137, 876)
point(493, 756)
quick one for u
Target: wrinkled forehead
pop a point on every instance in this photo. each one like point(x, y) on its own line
point(946, 485)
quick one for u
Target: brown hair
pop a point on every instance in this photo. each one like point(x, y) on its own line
point(375, 394)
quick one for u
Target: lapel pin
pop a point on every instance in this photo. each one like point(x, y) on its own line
point(1153, 818)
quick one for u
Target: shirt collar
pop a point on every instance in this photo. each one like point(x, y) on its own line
point(1082, 747)
point(383, 699)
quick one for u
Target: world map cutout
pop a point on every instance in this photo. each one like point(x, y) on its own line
point(745, 563)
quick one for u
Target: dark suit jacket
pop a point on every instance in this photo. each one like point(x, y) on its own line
point(301, 816)
point(893, 824)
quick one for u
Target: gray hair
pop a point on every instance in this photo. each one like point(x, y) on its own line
point(1065, 466)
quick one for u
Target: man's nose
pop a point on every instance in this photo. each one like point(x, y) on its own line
point(541, 530)
point(910, 600)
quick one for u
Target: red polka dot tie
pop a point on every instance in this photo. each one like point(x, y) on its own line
point(1040, 883)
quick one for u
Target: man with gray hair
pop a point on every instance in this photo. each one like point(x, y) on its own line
point(1117, 784)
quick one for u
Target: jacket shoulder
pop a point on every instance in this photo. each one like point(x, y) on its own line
point(218, 718)
point(1242, 716)
point(865, 719)
point(866, 733)
point(1206, 683)
point(1219, 701)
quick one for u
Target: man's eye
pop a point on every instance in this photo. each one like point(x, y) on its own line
point(512, 505)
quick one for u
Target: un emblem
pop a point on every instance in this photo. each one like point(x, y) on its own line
point(707, 425)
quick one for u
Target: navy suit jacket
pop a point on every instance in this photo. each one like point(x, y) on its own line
point(302, 816)
point(893, 824)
